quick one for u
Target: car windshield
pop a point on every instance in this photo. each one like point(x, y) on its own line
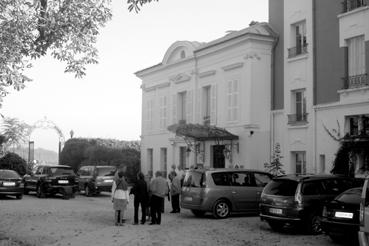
point(8, 174)
point(61, 171)
point(106, 171)
point(352, 196)
point(193, 179)
point(281, 187)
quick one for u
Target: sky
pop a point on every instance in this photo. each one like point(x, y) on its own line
point(106, 103)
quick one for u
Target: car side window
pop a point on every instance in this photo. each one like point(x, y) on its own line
point(222, 179)
point(39, 170)
point(312, 188)
point(262, 179)
point(333, 187)
point(242, 179)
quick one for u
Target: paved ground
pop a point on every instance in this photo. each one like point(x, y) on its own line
point(89, 221)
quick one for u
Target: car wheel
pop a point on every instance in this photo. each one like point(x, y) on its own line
point(276, 225)
point(221, 209)
point(198, 213)
point(39, 192)
point(314, 226)
point(64, 194)
point(25, 190)
point(19, 196)
point(87, 190)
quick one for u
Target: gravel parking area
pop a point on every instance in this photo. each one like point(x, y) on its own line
point(89, 221)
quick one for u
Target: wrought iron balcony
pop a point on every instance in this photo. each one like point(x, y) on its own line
point(298, 50)
point(296, 119)
point(349, 5)
point(356, 81)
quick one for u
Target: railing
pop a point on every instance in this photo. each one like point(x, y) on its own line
point(297, 118)
point(355, 81)
point(298, 50)
point(348, 5)
point(206, 120)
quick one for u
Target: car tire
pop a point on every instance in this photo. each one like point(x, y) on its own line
point(20, 196)
point(313, 224)
point(276, 225)
point(88, 191)
point(198, 213)
point(25, 190)
point(39, 191)
point(221, 209)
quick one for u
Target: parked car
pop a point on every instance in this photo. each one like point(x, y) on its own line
point(364, 215)
point(340, 217)
point(223, 191)
point(50, 180)
point(298, 200)
point(10, 183)
point(94, 179)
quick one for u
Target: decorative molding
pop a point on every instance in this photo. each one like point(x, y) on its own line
point(207, 73)
point(154, 87)
point(180, 78)
point(233, 66)
point(252, 55)
point(251, 126)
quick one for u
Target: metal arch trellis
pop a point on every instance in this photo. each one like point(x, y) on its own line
point(48, 124)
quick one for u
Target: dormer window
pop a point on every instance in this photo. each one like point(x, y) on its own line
point(183, 54)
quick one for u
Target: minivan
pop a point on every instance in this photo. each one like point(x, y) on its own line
point(223, 191)
point(298, 200)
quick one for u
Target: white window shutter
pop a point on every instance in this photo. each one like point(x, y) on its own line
point(213, 105)
point(198, 107)
point(189, 106)
point(229, 100)
point(165, 114)
point(174, 109)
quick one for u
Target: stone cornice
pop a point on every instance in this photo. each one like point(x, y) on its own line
point(154, 87)
point(207, 73)
point(233, 66)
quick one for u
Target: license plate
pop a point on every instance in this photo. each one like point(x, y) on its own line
point(343, 215)
point(8, 183)
point(63, 181)
point(108, 181)
point(188, 199)
point(275, 210)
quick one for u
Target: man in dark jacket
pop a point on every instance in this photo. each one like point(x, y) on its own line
point(159, 190)
point(139, 190)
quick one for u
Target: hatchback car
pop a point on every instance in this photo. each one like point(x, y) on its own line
point(10, 183)
point(298, 199)
point(94, 179)
point(223, 191)
point(340, 217)
point(364, 215)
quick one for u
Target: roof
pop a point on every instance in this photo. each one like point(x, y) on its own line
point(300, 177)
point(201, 132)
point(259, 29)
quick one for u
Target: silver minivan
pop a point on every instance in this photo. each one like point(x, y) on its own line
point(223, 191)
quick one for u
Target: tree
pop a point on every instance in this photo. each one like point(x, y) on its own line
point(136, 4)
point(66, 29)
point(14, 132)
point(275, 166)
point(14, 162)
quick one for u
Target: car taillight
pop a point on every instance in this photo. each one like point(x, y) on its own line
point(361, 213)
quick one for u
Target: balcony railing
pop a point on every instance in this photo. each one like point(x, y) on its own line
point(348, 5)
point(297, 118)
point(356, 81)
point(298, 50)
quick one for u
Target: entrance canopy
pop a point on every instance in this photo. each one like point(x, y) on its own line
point(201, 132)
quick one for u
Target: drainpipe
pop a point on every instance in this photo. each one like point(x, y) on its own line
point(271, 135)
point(314, 88)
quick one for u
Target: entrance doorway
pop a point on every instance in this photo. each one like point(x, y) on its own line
point(218, 156)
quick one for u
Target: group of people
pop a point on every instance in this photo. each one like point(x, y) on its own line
point(148, 194)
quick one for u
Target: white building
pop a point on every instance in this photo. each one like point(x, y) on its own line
point(223, 84)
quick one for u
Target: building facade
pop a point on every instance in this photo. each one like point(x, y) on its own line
point(216, 85)
point(300, 81)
